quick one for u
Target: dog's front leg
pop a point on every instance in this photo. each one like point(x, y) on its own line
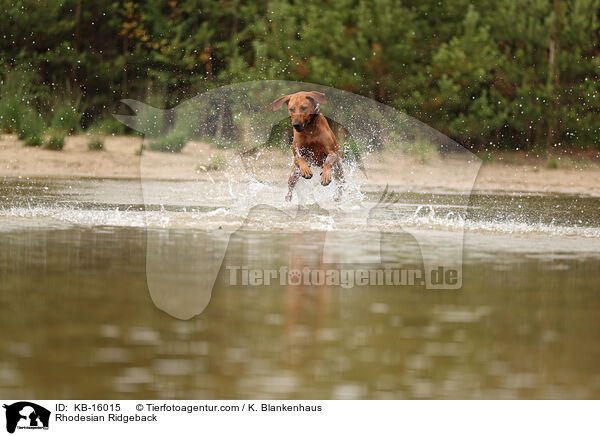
point(331, 160)
point(338, 174)
point(292, 182)
point(300, 162)
point(303, 168)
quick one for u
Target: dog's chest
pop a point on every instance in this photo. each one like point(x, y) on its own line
point(313, 151)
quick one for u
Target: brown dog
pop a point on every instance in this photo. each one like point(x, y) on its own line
point(314, 142)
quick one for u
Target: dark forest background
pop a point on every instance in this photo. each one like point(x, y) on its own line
point(513, 74)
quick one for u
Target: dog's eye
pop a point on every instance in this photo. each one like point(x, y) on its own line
point(292, 110)
point(303, 108)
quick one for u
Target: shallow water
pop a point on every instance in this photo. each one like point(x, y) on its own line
point(78, 320)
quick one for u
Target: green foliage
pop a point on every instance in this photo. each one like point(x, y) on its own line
point(65, 118)
point(486, 156)
point(223, 143)
point(9, 114)
point(108, 126)
point(96, 144)
point(281, 136)
point(173, 142)
point(34, 141)
point(217, 162)
point(552, 163)
point(421, 150)
point(17, 107)
point(55, 141)
point(150, 122)
point(31, 125)
point(491, 74)
point(417, 146)
point(352, 149)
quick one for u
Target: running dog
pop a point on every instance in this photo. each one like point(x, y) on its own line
point(314, 143)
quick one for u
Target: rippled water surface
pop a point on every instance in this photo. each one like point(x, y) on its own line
point(78, 320)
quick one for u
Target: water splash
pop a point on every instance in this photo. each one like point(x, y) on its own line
point(230, 200)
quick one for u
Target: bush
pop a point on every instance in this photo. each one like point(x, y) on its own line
point(187, 122)
point(486, 156)
point(34, 141)
point(552, 163)
point(217, 162)
point(95, 144)
point(56, 141)
point(173, 142)
point(10, 115)
point(150, 122)
point(108, 126)
point(421, 151)
point(31, 125)
point(65, 119)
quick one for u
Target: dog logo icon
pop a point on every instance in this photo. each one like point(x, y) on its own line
point(26, 415)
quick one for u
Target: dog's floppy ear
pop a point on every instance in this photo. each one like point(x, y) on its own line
point(276, 105)
point(317, 96)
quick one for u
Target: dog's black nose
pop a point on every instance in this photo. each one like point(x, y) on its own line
point(297, 125)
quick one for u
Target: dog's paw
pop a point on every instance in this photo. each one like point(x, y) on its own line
point(306, 173)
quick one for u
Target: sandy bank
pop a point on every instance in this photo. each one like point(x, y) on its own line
point(121, 159)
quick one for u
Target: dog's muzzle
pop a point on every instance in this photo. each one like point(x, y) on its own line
point(298, 126)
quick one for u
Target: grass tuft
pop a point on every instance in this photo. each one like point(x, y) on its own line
point(108, 126)
point(10, 113)
point(486, 156)
point(552, 163)
point(96, 144)
point(34, 141)
point(31, 125)
point(56, 141)
point(173, 142)
point(421, 151)
point(65, 119)
point(217, 162)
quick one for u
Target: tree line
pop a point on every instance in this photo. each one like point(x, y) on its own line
point(515, 74)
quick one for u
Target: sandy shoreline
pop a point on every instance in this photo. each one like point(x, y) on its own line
point(200, 161)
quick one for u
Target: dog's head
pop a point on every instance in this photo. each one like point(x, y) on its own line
point(301, 106)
